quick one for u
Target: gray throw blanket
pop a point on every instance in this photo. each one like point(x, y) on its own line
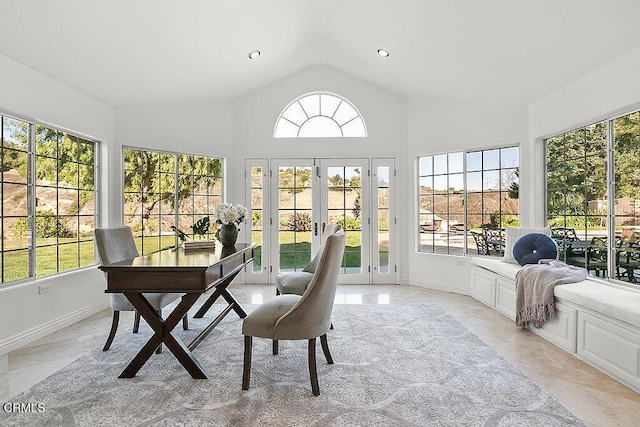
point(534, 289)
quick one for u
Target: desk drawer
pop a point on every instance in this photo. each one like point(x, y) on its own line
point(156, 281)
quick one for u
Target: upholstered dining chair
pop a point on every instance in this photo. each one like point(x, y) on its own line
point(295, 282)
point(116, 244)
point(295, 317)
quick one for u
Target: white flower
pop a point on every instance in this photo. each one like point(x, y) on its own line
point(230, 214)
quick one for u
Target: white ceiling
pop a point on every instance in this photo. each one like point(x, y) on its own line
point(146, 52)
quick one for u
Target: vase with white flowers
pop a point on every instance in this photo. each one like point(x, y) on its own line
point(229, 217)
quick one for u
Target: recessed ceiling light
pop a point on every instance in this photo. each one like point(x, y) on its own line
point(254, 54)
point(382, 52)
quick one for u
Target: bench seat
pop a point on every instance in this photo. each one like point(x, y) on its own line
point(606, 299)
point(504, 269)
point(597, 321)
point(609, 299)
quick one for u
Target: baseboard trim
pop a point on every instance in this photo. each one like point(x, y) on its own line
point(438, 286)
point(47, 328)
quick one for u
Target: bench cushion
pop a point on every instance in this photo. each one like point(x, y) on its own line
point(496, 265)
point(610, 300)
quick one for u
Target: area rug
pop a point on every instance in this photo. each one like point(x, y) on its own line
point(395, 365)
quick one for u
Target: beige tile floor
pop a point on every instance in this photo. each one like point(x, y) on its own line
point(592, 396)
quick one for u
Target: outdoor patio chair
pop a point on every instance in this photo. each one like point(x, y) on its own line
point(481, 243)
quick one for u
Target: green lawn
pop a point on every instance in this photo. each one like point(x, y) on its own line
point(68, 255)
point(296, 254)
point(51, 259)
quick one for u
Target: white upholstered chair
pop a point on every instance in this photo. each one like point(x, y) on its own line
point(299, 317)
point(117, 244)
point(295, 282)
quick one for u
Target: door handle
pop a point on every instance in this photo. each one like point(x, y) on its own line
point(323, 226)
point(315, 228)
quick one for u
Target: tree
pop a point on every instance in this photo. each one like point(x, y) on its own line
point(514, 187)
point(47, 225)
point(356, 207)
point(64, 159)
point(336, 180)
point(15, 135)
point(295, 180)
point(355, 184)
point(150, 179)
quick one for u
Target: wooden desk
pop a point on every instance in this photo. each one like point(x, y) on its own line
point(174, 270)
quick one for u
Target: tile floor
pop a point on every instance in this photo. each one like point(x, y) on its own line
point(592, 396)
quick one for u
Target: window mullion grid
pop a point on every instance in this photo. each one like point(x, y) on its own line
point(448, 193)
point(500, 211)
point(176, 187)
point(464, 202)
point(57, 200)
point(2, 195)
point(433, 214)
point(585, 207)
point(31, 201)
point(611, 202)
point(77, 215)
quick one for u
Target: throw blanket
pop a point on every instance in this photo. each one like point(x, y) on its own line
point(534, 289)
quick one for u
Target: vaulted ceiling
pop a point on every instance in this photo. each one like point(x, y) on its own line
point(147, 52)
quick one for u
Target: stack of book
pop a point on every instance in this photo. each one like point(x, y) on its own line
point(193, 245)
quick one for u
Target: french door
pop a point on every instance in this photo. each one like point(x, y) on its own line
point(292, 200)
point(344, 196)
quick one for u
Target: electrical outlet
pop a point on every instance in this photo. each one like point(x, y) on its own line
point(44, 289)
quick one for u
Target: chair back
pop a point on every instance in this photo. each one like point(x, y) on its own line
point(311, 316)
point(481, 243)
point(563, 233)
point(329, 229)
point(115, 244)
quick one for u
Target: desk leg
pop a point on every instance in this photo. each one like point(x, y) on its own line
point(234, 303)
point(207, 304)
point(221, 291)
point(163, 334)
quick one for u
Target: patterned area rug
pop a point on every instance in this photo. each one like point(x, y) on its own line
point(395, 365)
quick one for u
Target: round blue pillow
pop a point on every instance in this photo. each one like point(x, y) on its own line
point(532, 247)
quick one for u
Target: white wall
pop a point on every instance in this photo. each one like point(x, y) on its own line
point(201, 129)
point(442, 127)
point(255, 116)
point(606, 92)
point(243, 129)
point(24, 314)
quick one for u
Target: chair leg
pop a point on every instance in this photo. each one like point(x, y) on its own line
point(136, 322)
point(275, 347)
point(112, 333)
point(325, 349)
point(246, 370)
point(313, 372)
point(185, 322)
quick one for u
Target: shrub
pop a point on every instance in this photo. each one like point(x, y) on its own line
point(298, 222)
point(47, 225)
point(256, 218)
point(349, 223)
point(580, 222)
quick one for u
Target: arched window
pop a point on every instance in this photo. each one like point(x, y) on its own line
point(320, 115)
